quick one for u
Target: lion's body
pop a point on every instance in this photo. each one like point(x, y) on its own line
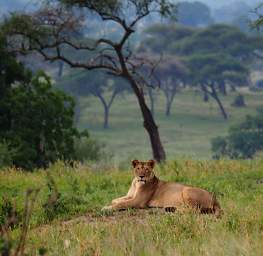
point(153, 192)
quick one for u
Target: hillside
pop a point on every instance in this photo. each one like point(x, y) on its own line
point(74, 225)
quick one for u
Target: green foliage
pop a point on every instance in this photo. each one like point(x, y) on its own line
point(243, 141)
point(36, 120)
point(88, 149)
point(40, 123)
point(5, 246)
point(216, 68)
point(9, 215)
point(83, 83)
point(62, 204)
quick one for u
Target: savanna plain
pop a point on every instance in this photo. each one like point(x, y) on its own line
point(73, 223)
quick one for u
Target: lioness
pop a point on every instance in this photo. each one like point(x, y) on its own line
point(148, 191)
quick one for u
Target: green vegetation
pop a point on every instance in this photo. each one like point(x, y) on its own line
point(186, 133)
point(36, 123)
point(36, 119)
point(82, 192)
point(213, 66)
point(244, 140)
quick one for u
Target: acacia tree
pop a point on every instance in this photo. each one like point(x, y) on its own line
point(173, 74)
point(49, 30)
point(210, 71)
point(104, 87)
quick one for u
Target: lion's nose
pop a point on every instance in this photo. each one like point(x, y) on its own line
point(141, 176)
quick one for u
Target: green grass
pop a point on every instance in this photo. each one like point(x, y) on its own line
point(237, 184)
point(187, 133)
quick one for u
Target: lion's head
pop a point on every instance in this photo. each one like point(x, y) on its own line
point(143, 171)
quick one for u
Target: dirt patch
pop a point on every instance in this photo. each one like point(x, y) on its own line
point(139, 215)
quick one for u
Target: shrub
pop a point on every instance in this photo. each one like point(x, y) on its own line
point(62, 204)
point(8, 213)
point(41, 126)
point(239, 101)
point(243, 141)
point(36, 119)
point(88, 149)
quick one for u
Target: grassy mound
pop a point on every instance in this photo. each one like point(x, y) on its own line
point(72, 223)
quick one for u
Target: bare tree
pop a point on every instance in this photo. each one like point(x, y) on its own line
point(49, 32)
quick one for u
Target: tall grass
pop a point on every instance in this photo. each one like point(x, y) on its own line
point(79, 228)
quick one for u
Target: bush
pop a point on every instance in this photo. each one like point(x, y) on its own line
point(88, 149)
point(9, 216)
point(41, 126)
point(243, 141)
point(36, 119)
point(239, 101)
point(62, 204)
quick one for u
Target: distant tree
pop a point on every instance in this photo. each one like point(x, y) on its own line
point(102, 86)
point(243, 141)
point(152, 93)
point(61, 65)
point(47, 30)
point(215, 65)
point(210, 71)
point(229, 40)
point(167, 35)
point(173, 74)
point(194, 14)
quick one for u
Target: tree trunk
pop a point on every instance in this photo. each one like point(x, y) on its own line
point(60, 68)
point(151, 97)
point(168, 107)
point(106, 118)
point(169, 95)
point(148, 122)
point(106, 111)
point(205, 98)
point(222, 87)
point(221, 107)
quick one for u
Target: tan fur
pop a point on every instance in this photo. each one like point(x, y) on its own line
point(148, 191)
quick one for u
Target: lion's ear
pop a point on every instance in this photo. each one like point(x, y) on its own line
point(135, 162)
point(151, 163)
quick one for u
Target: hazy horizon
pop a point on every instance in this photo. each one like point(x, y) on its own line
point(12, 5)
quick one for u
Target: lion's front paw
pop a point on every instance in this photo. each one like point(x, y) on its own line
point(107, 208)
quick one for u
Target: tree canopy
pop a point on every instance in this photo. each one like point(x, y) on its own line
point(98, 84)
point(218, 56)
point(36, 120)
